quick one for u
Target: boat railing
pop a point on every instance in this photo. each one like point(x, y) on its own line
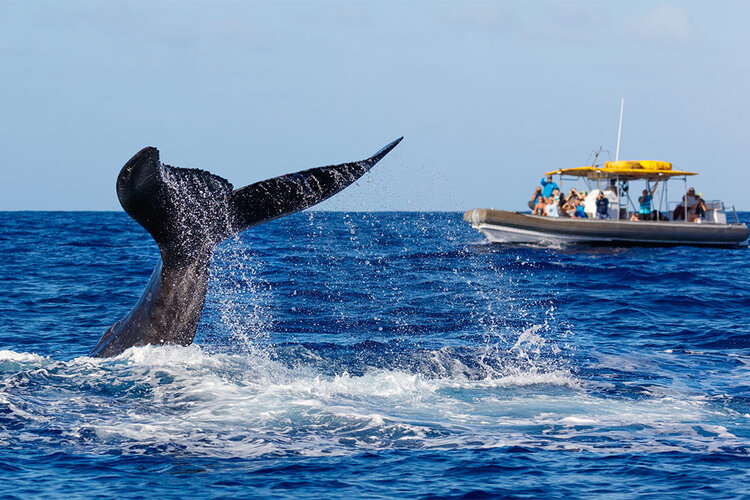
point(736, 218)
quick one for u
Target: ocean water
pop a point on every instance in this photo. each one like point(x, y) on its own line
point(375, 355)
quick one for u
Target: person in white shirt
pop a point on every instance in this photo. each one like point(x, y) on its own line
point(691, 200)
point(551, 208)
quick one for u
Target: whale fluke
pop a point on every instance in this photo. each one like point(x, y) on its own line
point(287, 194)
point(190, 211)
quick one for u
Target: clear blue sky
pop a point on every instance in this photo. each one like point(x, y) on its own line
point(488, 94)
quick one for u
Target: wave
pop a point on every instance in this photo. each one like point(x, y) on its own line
point(188, 400)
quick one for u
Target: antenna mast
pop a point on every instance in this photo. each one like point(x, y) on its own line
point(619, 131)
point(596, 155)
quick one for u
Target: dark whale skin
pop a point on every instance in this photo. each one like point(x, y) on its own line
point(190, 211)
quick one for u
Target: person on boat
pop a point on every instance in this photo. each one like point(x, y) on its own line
point(691, 200)
point(602, 206)
point(568, 205)
point(536, 199)
point(589, 203)
point(573, 195)
point(551, 208)
point(538, 202)
point(556, 200)
point(699, 211)
point(548, 185)
point(543, 211)
point(579, 211)
point(556, 195)
point(540, 207)
point(644, 211)
point(564, 210)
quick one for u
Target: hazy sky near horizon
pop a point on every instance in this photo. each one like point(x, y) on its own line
point(487, 94)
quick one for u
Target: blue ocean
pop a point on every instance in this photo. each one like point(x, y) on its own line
point(375, 355)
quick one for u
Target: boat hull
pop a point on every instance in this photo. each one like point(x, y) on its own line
point(501, 226)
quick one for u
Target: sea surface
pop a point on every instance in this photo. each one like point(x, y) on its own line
point(375, 355)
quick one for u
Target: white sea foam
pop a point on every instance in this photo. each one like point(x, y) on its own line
point(578, 421)
point(20, 356)
point(187, 400)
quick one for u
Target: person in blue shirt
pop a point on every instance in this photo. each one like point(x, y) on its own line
point(644, 211)
point(548, 185)
point(580, 212)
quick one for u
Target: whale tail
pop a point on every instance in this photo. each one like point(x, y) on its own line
point(287, 194)
point(189, 211)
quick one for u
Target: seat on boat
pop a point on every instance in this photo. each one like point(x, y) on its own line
point(715, 212)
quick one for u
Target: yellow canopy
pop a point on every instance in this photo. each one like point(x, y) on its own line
point(625, 170)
